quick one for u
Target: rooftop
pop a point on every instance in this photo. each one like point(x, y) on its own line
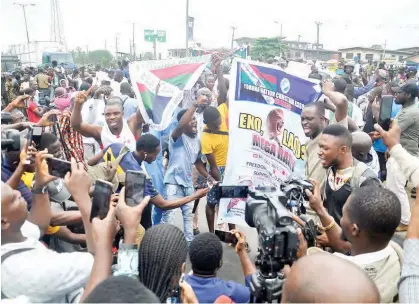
point(374, 50)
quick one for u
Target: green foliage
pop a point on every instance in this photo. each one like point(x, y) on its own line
point(102, 57)
point(267, 48)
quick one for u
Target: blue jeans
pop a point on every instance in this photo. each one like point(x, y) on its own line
point(173, 192)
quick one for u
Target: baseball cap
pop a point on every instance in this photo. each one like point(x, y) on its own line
point(382, 73)
point(409, 88)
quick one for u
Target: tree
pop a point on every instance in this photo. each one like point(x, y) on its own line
point(102, 57)
point(268, 48)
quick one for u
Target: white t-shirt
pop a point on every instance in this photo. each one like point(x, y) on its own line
point(92, 113)
point(41, 274)
point(116, 87)
point(125, 137)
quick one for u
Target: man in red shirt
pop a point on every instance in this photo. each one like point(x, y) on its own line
point(33, 111)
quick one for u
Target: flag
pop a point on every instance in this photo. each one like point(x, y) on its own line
point(160, 84)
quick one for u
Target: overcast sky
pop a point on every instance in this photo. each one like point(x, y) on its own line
point(92, 22)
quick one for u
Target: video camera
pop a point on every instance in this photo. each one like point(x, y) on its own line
point(270, 211)
point(10, 140)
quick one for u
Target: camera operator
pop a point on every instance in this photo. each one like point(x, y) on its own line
point(346, 282)
point(28, 267)
point(206, 253)
point(369, 220)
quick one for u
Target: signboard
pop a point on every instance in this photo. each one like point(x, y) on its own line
point(149, 35)
point(161, 36)
point(266, 140)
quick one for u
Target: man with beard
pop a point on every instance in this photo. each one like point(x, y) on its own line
point(344, 173)
point(370, 218)
point(313, 121)
point(116, 129)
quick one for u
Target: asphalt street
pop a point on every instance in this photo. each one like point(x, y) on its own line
point(231, 269)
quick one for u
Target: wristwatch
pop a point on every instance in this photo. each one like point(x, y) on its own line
point(42, 190)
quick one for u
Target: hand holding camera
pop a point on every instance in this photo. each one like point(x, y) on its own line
point(78, 181)
point(42, 176)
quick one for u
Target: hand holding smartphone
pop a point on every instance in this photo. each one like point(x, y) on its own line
point(226, 237)
point(58, 167)
point(386, 107)
point(134, 187)
point(101, 199)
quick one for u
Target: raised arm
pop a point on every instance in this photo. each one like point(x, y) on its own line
point(187, 117)
point(135, 123)
point(76, 120)
point(222, 87)
point(338, 99)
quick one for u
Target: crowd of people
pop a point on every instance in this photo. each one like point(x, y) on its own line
point(52, 251)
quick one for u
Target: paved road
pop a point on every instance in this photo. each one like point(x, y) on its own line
point(231, 269)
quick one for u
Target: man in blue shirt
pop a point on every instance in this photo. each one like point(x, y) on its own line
point(147, 149)
point(184, 151)
point(206, 253)
point(129, 103)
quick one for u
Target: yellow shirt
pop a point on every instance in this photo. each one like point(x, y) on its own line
point(217, 144)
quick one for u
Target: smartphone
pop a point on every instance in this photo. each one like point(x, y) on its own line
point(226, 237)
point(134, 187)
point(58, 167)
point(108, 158)
point(233, 191)
point(29, 138)
point(36, 135)
point(101, 199)
point(384, 119)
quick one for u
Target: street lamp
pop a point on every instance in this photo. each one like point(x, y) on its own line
point(23, 6)
point(278, 22)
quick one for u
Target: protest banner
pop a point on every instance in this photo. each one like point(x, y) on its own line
point(266, 140)
point(160, 84)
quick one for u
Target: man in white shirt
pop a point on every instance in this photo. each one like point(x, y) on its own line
point(28, 267)
point(116, 83)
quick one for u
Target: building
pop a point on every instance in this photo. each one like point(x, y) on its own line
point(297, 49)
point(414, 50)
point(374, 54)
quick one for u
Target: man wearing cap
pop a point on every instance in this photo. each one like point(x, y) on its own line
point(408, 120)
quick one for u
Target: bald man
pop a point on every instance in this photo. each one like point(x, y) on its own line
point(324, 278)
point(362, 151)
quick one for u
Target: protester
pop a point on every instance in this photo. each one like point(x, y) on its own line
point(147, 149)
point(408, 121)
point(214, 145)
point(116, 129)
point(129, 103)
point(347, 283)
point(121, 289)
point(184, 150)
point(344, 173)
point(206, 253)
point(24, 258)
point(43, 82)
point(362, 151)
point(71, 138)
point(62, 99)
point(33, 111)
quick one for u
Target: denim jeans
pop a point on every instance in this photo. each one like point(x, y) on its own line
point(173, 192)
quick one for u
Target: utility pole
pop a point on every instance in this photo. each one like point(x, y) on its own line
point(116, 45)
point(277, 22)
point(232, 35)
point(23, 6)
point(299, 36)
point(155, 46)
point(187, 30)
point(106, 42)
point(318, 23)
point(133, 40)
point(384, 49)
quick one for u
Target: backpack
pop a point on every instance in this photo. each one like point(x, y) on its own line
point(361, 171)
